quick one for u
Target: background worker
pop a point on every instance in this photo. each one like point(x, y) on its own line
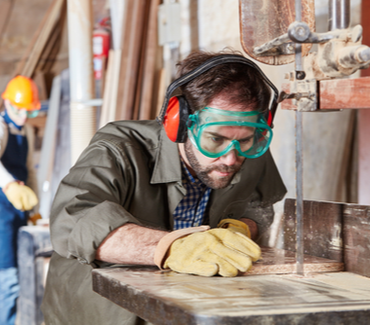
point(17, 183)
point(136, 197)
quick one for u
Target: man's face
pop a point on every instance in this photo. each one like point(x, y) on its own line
point(217, 173)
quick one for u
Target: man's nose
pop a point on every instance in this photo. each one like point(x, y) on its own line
point(230, 158)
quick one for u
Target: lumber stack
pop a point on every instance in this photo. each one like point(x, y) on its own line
point(45, 41)
point(130, 91)
point(40, 55)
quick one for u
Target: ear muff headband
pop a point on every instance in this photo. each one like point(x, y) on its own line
point(222, 59)
point(175, 121)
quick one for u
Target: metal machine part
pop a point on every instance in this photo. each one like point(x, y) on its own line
point(301, 33)
point(340, 53)
point(263, 21)
point(339, 14)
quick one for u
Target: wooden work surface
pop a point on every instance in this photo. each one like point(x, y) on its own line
point(280, 261)
point(180, 299)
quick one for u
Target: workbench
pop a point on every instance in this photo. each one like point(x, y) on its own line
point(180, 299)
point(335, 231)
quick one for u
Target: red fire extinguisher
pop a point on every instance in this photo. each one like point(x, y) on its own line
point(101, 46)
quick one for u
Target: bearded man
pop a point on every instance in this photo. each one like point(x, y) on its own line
point(174, 194)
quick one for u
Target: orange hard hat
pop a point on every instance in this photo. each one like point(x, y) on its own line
point(22, 92)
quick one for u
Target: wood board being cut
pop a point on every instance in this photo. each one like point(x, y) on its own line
point(280, 261)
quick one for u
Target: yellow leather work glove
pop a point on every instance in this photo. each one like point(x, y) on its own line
point(235, 225)
point(21, 196)
point(215, 251)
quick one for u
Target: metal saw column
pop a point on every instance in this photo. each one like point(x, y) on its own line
point(299, 158)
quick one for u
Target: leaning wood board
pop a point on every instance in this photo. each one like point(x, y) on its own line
point(280, 261)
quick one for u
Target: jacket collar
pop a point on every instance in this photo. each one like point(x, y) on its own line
point(167, 167)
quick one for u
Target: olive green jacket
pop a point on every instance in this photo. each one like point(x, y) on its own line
point(131, 172)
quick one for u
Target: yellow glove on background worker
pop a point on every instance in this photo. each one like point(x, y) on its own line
point(21, 196)
point(208, 252)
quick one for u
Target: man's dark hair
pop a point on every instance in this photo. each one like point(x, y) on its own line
point(241, 84)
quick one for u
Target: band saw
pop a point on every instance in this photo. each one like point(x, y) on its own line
point(322, 276)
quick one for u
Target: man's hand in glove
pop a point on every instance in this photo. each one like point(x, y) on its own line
point(235, 225)
point(210, 252)
point(20, 195)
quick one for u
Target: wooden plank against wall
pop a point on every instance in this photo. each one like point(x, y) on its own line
point(130, 58)
point(333, 230)
point(356, 238)
point(5, 10)
point(107, 96)
point(150, 63)
point(364, 121)
point(52, 46)
point(30, 58)
point(322, 228)
point(141, 77)
point(42, 39)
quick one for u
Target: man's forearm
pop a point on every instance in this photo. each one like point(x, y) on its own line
point(130, 244)
point(133, 244)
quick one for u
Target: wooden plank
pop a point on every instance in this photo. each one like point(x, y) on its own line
point(130, 59)
point(126, 26)
point(115, 85)
point(39, 80)
point(337, 231)
point(141, 77)
point(5, 10)
point(364, 157)
point(280, 261)
point(356, 238)
point(322, 228)
point(262, 21)
point(150, 63)
point(31, 56)
point(161, 91)
point(342, 194)
point(364, 121)
point(107, 96)
point(337, 94)
point(42, 39)
point(178, 299)
point(53, 44)
point(345, 93)
point(287, 103)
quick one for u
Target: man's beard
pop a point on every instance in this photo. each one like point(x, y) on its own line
point(203, 173)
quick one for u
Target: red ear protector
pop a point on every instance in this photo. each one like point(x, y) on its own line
point(175, 110)
point(176, 118)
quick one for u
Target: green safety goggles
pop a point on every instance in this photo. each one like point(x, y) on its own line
point(214, 132)
point(24, 112)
